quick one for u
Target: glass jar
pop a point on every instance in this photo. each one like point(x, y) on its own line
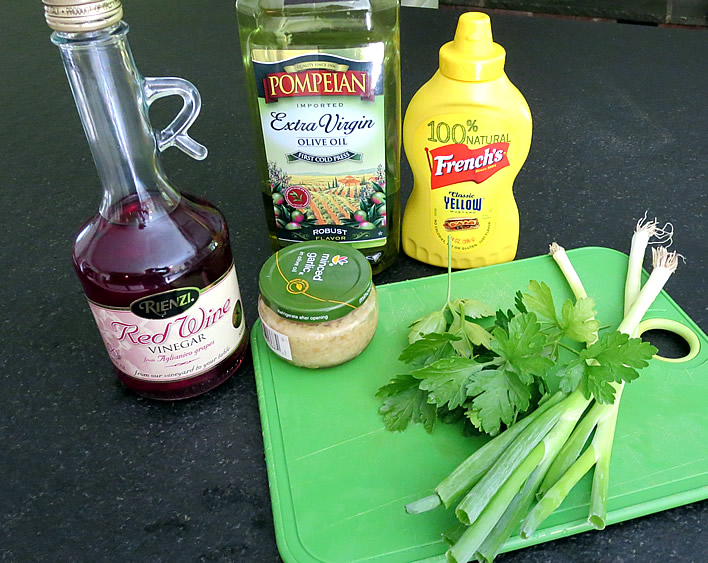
point(318, 305)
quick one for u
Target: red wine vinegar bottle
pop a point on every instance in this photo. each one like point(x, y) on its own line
point(155, 263)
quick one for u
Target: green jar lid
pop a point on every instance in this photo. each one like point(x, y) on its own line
point(315, 281)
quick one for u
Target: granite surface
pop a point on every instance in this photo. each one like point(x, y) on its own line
point(89, 472)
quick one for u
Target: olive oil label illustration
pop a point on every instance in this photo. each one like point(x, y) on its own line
point(322, 118)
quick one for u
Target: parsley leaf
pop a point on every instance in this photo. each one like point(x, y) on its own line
point(598, 385)
point(428, 349)
point(500, 397)
point(434, 322)
point(486, 378)
point(554, 335)
point(471, 308)
point(446, 380)
point(477, 335)
point(503, 318)
point(521, 347)
point(463, 346)
point(540, 301)
point(613, 358)
point(473, 418)
point(578, 320)
point(405, 402)
point(570, 375)
point(470, 334)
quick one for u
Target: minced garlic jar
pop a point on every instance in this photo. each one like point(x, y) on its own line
point(318, 305)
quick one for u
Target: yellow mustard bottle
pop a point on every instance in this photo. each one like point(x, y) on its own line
point(466, 134)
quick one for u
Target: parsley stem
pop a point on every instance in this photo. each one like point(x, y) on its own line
point(566, 347)
point(449, 271)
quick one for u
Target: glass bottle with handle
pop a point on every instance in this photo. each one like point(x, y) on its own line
point(155, 263)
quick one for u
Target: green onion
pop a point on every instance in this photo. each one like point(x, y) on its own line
point(521, 503)
point(469, 472)
point(474, 502)
point(492, 511)
point(666, 263)
point(570, 466)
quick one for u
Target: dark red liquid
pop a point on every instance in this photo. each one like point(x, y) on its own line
point(120, 262)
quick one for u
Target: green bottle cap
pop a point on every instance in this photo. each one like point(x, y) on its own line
point(315, 281)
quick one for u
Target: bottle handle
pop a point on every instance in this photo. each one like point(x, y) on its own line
point(176, 133)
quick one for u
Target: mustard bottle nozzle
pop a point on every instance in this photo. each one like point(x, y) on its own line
point(472, 56)
point(473, 29)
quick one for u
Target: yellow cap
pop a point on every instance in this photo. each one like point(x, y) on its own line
point(77, 16)
point(472, 56)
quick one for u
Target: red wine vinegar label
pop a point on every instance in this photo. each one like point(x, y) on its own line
point(176, 334)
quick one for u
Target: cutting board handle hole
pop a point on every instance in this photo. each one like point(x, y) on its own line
point(674, 341)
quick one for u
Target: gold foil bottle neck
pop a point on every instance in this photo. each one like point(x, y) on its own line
point(78, 16)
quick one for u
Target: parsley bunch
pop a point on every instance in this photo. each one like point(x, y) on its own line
point(490, 374)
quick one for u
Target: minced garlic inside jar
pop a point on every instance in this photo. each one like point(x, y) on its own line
point(318, 306)
point(329, 343)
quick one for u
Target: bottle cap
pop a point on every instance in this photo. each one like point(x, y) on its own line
point(79, 16)
point(315, 281)
point(472, 56)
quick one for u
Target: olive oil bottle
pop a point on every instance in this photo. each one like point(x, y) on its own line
point(323, 81)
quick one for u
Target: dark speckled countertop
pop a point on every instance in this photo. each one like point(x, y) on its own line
point(89, 472)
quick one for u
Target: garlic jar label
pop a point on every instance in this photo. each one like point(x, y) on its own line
point(175, 334)
point(322, 120)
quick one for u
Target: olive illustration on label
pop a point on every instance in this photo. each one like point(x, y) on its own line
point(237, 316)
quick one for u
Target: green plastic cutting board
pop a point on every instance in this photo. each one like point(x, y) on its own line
point(339, 480)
